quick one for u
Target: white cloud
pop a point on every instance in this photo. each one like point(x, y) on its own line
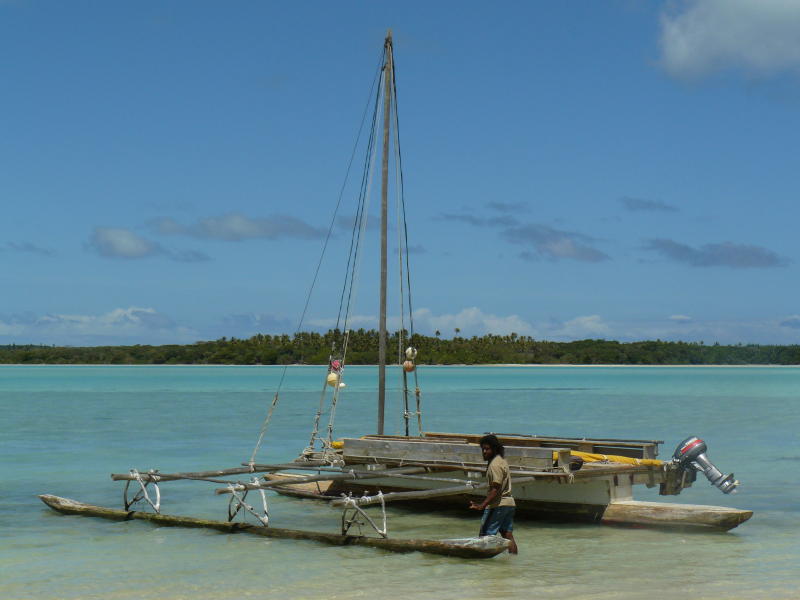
point(590, 326)
point(248, 325)
point(743, 331)
point(355, 322)
point(725, 254)
point(792, 321)
point(680, 318)
point(471, 321)
point(762, 37)
point(235, 227)
point(674, 328)
point(553, 244)
point(120, 326)
point(138, 325)
point(474, 321)
point(115, 242)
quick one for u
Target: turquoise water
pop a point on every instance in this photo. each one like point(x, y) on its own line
point(65, 428)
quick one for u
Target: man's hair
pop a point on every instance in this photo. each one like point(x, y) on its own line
point(493, 443)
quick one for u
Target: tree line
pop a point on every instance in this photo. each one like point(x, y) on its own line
point(362, 348)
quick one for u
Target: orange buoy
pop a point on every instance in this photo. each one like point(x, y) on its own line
point(409, 366)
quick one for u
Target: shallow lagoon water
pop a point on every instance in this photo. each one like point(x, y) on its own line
point(65, 428)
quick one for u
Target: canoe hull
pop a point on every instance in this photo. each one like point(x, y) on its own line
point(573, 504)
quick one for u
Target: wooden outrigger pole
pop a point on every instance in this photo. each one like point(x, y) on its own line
point(388, 79)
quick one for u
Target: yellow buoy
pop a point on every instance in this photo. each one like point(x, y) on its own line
point(332, 379)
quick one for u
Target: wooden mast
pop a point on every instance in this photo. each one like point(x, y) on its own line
point(388, 78)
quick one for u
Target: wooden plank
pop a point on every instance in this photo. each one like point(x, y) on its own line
point(427, 438)
point(671, 515)
point(468, 548)
point(632, 448)
point(394, 451)
point(530, 436)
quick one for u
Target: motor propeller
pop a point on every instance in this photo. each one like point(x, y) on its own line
point(691, 453)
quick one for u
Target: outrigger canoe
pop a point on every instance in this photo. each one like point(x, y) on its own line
point(485, 547)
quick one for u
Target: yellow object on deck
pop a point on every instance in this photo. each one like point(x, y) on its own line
point(337, 444)
point(627, 460)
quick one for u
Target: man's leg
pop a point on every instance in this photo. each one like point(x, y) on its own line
point(512, 547)
point(489, 522)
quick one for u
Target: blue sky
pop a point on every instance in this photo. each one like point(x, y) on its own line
point(621, 170)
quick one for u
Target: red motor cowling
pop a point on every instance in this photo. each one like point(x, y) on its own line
point(691, 454)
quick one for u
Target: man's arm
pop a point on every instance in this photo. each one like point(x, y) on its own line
point(494, 492)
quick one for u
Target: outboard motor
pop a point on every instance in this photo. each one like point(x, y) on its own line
point(691, 453)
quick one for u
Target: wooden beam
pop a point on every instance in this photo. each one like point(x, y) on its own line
point(209, 475)
point(422, 494)
point(176, 476)
point(387, 114)
point(322, 477)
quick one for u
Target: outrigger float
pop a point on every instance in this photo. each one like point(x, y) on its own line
point(486, 547)
point(552, 477)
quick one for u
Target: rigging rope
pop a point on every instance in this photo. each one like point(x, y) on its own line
point(403, 242)
point(400, 250)
point(350, 283)
point(355, 275)
point(267, 419)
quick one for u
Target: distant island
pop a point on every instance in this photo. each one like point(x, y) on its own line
point(315, 349)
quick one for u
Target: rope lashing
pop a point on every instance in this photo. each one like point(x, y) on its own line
point(264, 426)
point(418, 396)
point(311, 448)
point(237, 503)
point(351, 504)
point(142, 493)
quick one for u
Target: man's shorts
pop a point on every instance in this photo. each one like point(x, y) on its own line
point(498, 519)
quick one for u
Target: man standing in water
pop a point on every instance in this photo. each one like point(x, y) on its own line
point(498, 506)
